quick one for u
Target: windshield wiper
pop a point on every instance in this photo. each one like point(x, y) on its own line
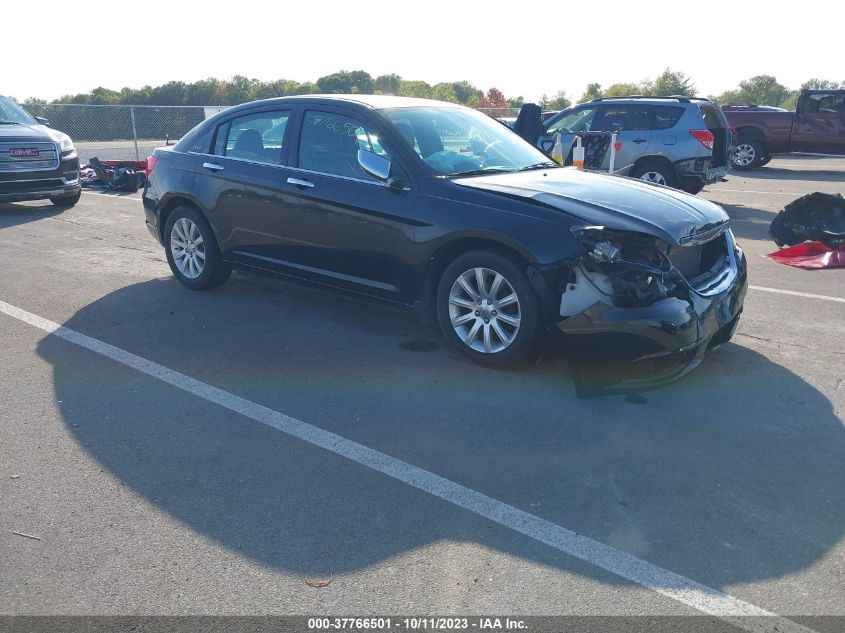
point(10, 123)
point(480, 172)
point(545, 163)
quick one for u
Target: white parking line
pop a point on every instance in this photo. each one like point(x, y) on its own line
point(774, 193)
point(113, 196)
point(665, 582)
point(795, 293)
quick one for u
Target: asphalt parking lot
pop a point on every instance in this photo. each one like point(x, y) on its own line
point(149, 497)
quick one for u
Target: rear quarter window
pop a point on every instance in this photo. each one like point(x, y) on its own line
point(666, 117)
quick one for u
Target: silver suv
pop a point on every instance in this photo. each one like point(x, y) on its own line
point(681, 142)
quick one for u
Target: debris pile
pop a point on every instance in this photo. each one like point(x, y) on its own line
point(118, 175)
point(813, 227)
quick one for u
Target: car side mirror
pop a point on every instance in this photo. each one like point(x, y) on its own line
point(42, 121)
point(377, 166)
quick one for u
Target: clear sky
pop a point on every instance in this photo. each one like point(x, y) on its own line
point(523, 48)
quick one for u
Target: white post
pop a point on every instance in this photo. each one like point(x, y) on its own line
point(613, 139)
point(134, 131)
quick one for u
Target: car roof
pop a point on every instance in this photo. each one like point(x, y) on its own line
point(377, 102)
point(631, 99)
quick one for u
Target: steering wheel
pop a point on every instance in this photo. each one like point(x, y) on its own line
point(490, 146)
point(487, 148)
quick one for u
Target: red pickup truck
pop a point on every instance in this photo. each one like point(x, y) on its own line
point(817, 126)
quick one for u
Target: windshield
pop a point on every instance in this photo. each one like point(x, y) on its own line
point(571, 121)
point(10, 112)
point(460, 141)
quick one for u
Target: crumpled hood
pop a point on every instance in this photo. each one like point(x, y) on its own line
point(32, 133)
point(618, 203)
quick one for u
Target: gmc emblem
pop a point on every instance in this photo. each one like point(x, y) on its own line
point(23, 151)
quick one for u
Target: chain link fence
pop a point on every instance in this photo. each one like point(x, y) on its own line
point(500, 113)
point(120, 132)
point(132, 132)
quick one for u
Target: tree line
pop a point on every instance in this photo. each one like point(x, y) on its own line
point(759, 90)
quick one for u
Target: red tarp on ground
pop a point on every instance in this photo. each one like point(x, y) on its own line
point(810, 256)
point(137, 165)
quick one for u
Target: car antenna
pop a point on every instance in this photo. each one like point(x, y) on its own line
point(278, 94)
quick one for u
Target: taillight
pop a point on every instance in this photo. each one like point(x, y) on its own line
point(151, 163)
point(705, 137)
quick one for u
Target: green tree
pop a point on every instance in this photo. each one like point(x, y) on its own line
point(558, 102)
point(172, 93)
point(759, 90)
point(516, 102)
point(306, 88)
point(670, 82)
point(344, 81)
point(623, 90)
point(466, 92)
point(593, 91)
point(444, 92)
point(790, 102)
point(820, 84)
point(387, 84)
point(104, 96)
point(415, 88)
point(202, 92)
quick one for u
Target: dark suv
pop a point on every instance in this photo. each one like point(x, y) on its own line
point(36, 162)
point(681, 142)
point(440, 208)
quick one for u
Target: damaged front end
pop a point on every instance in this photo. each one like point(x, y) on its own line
point(639, 312)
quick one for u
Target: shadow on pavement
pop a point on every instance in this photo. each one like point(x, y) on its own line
point(832, 176)
point(15, 213)
point(750, 223)
point(734, 475)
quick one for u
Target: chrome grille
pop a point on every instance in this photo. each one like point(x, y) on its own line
point(47, 158)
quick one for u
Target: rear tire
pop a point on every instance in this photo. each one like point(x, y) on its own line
point(192, 251)
point(656, 173)
point(488, 311)
point(66, 201)
point(749, 153)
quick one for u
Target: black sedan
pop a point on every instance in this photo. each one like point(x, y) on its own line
point(442, 209)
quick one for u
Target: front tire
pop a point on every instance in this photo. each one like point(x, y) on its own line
point(487, 309)
point(192, 251)
point(749, 153)
point(694, 186)
point(656, 173)
point(66, 201)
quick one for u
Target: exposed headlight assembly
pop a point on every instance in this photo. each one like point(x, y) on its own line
point(66, 147)
point(636, 265)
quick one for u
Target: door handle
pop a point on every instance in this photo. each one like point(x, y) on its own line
point(638, 140)
point(212, 166)
point(300, 183)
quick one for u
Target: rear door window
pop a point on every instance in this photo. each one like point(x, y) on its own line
point(257, 137)
point(666, 117)
point(622, 117)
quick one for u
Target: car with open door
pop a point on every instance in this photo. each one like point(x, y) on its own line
point(680, 142)
point(443, 210)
